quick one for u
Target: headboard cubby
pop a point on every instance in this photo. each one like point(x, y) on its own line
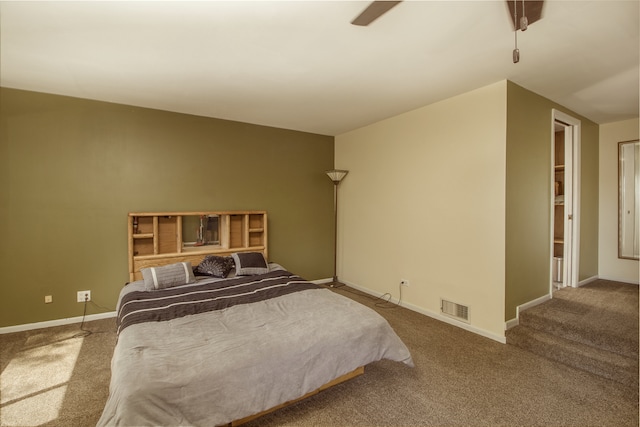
point(161, 238)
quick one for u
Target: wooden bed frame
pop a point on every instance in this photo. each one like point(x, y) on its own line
point(156, 239)
point(346, 377)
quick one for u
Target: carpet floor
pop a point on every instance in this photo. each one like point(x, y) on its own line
point(60, 377)
point(594, 328)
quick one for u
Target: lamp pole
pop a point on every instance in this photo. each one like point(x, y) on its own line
point(335, 232)
point(336, 175)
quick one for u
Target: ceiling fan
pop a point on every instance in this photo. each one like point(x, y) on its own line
point(374, 11)
point(529, 14)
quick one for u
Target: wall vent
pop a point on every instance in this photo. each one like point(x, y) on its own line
point(452, 309)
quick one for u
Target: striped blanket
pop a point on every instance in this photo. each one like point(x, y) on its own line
point(171, 303)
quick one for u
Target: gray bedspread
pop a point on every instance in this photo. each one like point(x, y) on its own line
point(211, 368)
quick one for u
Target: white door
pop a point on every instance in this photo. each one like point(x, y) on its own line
point(570, 127)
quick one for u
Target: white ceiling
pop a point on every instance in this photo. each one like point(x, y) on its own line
point(301, 64)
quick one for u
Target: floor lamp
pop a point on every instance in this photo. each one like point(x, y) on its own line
point(336, 176)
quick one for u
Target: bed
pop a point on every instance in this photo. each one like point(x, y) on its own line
point(210, 351)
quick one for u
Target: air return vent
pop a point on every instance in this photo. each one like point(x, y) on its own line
point(458, 311)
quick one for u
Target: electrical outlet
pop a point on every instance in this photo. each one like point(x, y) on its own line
point(84, 296)
point(48, 299)
point(404, 282)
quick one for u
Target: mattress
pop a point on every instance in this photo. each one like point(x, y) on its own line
point(241, 346)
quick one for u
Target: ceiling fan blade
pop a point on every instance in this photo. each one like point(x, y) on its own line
point(532, 9)
point(375, 10)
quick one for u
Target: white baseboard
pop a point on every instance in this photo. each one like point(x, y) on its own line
point(57, 322)
point(532, 303)
point(434, 315)
point(522, 307)
point(511, 323)
point(617, 279)
point(588, 280)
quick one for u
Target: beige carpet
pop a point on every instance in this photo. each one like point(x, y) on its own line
point(593, 328)
point(59, 377)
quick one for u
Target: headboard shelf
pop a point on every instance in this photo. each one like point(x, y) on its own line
point(143, 236)
point(160, 238)
point(195, 213)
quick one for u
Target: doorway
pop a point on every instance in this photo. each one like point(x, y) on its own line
point(565, 202)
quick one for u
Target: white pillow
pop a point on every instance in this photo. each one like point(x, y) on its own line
point(168, 276)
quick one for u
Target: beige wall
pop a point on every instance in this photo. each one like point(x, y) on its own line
point(609, 265)
point(443, 196)
point(424, 201)
point(455, 197)
point(71, 169)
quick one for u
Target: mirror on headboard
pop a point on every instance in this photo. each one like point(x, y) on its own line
point(200, 230)
point(628, 200)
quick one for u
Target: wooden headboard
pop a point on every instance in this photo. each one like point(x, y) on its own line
point(161, 238)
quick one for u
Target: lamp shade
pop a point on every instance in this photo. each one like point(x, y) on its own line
point(336, 175)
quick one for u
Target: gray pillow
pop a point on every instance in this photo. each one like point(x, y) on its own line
point(168, 275)
point(250, 263)
point(217, 266)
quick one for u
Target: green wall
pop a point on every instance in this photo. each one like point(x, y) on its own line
point(589, 199)
point(71, 170)
point(528, 197)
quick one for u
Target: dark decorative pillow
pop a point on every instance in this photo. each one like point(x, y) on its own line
point(167, 276)
point(217, 266)
point(250, 263)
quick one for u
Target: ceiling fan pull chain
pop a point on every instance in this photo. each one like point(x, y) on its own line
point(524, 22)
point(516, 51)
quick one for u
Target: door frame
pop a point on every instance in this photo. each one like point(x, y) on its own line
point(571, 258)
